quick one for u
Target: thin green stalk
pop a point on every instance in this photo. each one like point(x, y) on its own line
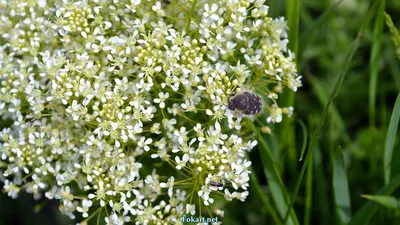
point(375, 61)
point(288, 126)
point(309, 193)
point(322, 95)
point(293, 15)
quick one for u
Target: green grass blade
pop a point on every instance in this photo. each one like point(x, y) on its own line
point(292, 8)
point(365, 214)
point(384, 200)
point(334, 93)
point(309, 193)
point(278, 191)
point(369, 16)
point(305, 138)
point(341, 187)
point(390, 140)
point(323, 98)
point(264, 199)
point(375, 61)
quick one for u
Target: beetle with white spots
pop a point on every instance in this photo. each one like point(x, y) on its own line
point(246, 102)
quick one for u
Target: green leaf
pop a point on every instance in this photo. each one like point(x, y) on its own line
point(375, 60)
point(384, 200)
point(278, 190)
point(323, 97)
point(264, 199)
point(365, 214)
point(341, 187)
point(390, 140)
point(305, 138)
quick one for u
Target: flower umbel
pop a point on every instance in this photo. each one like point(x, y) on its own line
point(127, 101)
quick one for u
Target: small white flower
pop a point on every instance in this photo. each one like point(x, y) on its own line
point(114, 220)
point(294, 83)
point(143, 143)
point(161, 100)
point(86, 204)
point(181, 163)
point(169, 185)
point(275, 114)
point(190, 209)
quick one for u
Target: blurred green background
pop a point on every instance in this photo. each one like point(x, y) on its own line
point(358, 120)
point(323, 34)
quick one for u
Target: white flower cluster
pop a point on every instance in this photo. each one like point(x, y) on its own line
point(107, 105)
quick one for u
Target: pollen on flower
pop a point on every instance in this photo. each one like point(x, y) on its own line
point(123, 107)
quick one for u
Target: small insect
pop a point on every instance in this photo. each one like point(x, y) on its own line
point(216, 184)
point(246, 102)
